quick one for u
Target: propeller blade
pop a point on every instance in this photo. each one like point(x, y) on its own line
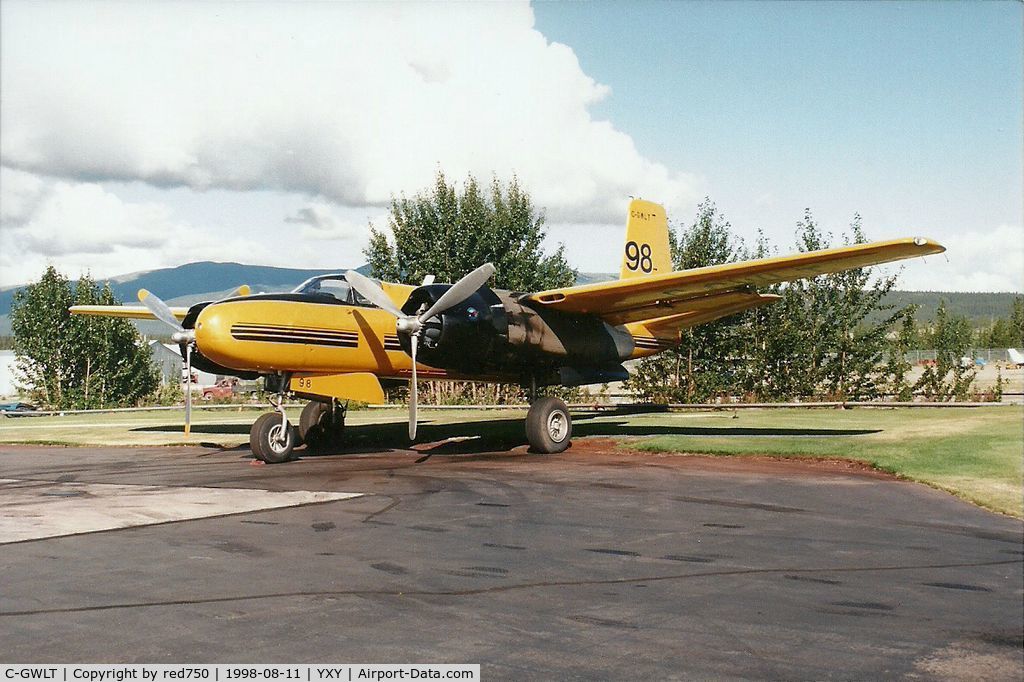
point(373, 292)
point(242, 290)
point(459, 291)
point(413, 390)
point(188, 388)
point(159, 309)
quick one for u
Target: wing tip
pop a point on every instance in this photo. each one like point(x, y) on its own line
point(929, 245)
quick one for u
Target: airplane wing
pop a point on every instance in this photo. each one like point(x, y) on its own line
point(694, 291)
point(135, 312)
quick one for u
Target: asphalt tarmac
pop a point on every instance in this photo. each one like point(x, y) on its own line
point(594, 564)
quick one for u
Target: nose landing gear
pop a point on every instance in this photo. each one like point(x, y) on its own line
point(272, 438)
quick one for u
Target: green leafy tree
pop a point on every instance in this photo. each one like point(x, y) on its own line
point(1004, 332)
point(1017, 322)
point(897, 366)
point(948, 378)
point(820, 339)
point(77, 362)
point(447, 232)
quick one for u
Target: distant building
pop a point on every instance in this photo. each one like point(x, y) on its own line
point(167, 359)
point(7, 387)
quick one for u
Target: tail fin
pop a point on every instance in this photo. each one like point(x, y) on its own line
point(646, 251)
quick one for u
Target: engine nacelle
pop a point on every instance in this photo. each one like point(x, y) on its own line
point(467, 337)
point(570, 338)
point(492, 331)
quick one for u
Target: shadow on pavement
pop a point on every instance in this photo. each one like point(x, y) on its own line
point(495, 435)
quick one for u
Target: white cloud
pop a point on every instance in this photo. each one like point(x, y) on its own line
point(81, 227)
point(352, 102)
point(20, 194)
point(321, 221)
point(992, 260)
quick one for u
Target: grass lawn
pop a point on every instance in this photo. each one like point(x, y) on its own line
point(976, 453)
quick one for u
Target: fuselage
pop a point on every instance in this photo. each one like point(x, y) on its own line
point(303, 333)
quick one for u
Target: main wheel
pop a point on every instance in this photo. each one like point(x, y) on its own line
point(321, 427)
point(548, 426)
point(269, 442)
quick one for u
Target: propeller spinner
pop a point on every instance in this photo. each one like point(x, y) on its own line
point(412, 325)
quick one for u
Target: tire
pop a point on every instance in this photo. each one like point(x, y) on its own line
point(263, 439)
point(548, 426)
point(320, 427)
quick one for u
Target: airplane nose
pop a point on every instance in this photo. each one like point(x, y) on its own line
point(213, 335)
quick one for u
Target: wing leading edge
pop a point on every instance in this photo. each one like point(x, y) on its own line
point(694, 292)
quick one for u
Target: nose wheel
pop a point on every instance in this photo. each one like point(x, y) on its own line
point(272, 438)
point(548, 426)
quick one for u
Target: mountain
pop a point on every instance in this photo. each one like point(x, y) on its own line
point(206, 280)
point(188, 284)
point(194, 280)
point(979, 308)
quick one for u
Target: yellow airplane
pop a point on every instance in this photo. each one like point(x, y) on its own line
point(335, 337)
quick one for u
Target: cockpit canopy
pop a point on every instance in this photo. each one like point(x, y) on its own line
point(334, 286)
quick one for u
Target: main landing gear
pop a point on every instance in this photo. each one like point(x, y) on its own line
point(548, 425)
point(322, 426)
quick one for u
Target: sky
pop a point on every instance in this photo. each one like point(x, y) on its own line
point(143, 135)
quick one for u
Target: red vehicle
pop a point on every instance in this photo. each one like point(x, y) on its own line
point(224, 388)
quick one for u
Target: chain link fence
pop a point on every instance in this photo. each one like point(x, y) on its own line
point(988, 355)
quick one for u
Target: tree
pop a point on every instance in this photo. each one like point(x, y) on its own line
point(1004, 332)
point(948, 378)
point(897, 366)
point(819, 339)
point(447, 233)
point(76, 362)
point(1017, 322)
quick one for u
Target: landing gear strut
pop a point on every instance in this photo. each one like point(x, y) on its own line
point(322, 425)
point(272, 438)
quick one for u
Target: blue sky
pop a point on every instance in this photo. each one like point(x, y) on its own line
point(144, 135)
point(909, 113)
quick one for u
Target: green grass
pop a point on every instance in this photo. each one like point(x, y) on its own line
point(976, 453)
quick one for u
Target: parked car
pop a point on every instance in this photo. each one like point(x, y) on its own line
point(17, 406)
point(224, 388)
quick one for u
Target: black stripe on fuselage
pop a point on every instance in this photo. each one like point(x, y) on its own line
point(300, 335)
point(293, 339)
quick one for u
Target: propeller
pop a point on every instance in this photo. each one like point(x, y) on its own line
point(413, 324)
point(180, 336)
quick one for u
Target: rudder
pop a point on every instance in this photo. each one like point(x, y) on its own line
point(646, 251)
